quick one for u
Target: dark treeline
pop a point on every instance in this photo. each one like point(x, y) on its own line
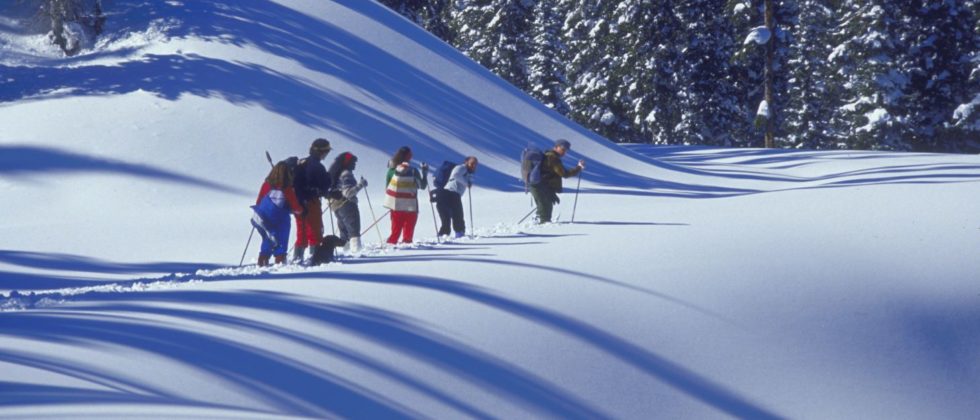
point(868, 74)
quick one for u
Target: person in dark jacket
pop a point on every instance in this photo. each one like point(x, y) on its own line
point(271, 217)
point(449, 199)
point(545, 193)
point(343, 199)
point(311, 182)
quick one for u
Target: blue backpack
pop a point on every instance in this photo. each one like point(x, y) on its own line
point(531, 159)
point(442, 175)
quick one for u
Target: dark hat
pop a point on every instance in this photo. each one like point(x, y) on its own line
point(564, 144)
point(319, 146)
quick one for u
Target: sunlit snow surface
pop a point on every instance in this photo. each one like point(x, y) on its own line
point(693, 282)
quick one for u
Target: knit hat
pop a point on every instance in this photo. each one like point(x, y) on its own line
point(319, 146)
point(564, 144)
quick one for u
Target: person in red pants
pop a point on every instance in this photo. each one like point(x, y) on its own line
point(311, 182)
point(401, 195)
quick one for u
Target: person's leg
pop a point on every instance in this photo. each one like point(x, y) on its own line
point(459, 216)
point(543, 202)
point(299, 247)
point(342, 226)
point(408, 231)
point(282, 239)
point(397, 222)
point(445, 212)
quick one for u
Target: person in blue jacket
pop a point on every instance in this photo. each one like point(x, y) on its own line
point(275, 202)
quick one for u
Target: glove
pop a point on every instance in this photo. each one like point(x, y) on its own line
point(581, 164)
point(425, 167)
point(362, 183)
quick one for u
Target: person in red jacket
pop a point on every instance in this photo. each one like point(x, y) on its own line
point(271, 214)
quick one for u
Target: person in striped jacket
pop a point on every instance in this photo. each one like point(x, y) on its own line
point(401, 195)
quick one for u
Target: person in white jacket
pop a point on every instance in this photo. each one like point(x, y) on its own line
point(449, 199)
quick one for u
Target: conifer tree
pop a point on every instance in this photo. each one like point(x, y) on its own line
point(941, 43)
point(870, 52)
point(707, 98)
point(813, 88)
point(495, 34)
point(546, 67)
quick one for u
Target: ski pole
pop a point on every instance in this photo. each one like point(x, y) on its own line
point(246, 247)
point(527, 215)
point(375, 223)
point(370, 207)
point(432, 206)
point(332, 229)
point(575, 205)
point(469, 191)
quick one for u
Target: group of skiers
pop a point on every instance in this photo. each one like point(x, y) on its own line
point(296, 187)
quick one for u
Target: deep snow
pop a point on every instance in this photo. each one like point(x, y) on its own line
point(694, 283)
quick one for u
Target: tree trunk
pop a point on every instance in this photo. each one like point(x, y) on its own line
point(770, 56)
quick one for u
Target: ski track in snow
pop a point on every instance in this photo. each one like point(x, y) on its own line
point(17, 300)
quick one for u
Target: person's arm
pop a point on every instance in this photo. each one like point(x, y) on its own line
point(322, 180)
point(262, 192)
point(421, 178)
point(348, 185)
point(290, 194)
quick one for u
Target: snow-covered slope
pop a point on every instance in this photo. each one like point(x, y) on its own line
point(694, 283)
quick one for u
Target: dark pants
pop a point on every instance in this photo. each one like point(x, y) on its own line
point(450, 206)
point(348, 221)
point(545, 198)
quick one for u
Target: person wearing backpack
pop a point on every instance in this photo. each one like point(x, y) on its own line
point(552, 171)
point(311, 182)
point(343, 199)
point(271, 212)
point(451, 183)
point(401, 194)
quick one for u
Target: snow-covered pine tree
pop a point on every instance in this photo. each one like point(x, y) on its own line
point(593, 48)
point(813, 90)
point(941, 45)
point(707, 98)
point(636, 72)
point(429, 14)
point(659, 108)
point(546, 67)
point(496, 34)
point(871, 50)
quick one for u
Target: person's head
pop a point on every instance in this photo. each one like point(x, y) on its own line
point(348, 161)
point(562, 146)
point(320, 148)
point(280, 177)
point(343, 161)
point(404, 154)
point(470, 163)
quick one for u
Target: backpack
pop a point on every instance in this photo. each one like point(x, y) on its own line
point(441, 177)
point(531, 159)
